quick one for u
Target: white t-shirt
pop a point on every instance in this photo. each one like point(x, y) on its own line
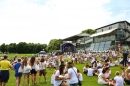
point(25, 70)
point(52, 79)
point(85, 69)
point(57, 82)
point(93, 59)
point(116, 62)
point(99, 64)
point(80, 77)
point(100, 70)
point(33, 67)
point(119, 81)
point(42, 65)
point(90, 72)
point(66, 75)
point(73, 58)
point(73, 78)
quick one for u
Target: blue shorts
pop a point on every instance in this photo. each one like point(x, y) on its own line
point(4, 76)
point(0, 75)
point(18, 74)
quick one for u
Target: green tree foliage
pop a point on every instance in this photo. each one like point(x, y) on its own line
point(54, 44)
point(40, 47)
point(3, 48)
point(22, 47)
point(89, 31)
point(12, 47)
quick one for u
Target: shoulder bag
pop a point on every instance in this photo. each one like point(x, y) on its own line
point(20, 70)
point(79, 82)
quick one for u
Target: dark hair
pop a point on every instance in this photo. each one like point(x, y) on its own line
point(104, 70)
point(5, 57)
point(42, 60)
point(70, 65)
point(90, 66)
point(32, 60)
point(107, 68)
point(62, 63)
point(61, 69)
point(78, 71)
point(19, 60)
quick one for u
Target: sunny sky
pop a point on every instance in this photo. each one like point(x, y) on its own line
point(39, 21)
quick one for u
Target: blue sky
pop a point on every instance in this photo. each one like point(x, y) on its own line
point(119, 7)
point(39, 21)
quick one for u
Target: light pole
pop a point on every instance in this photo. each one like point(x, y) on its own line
point(79, 41)
point(84, 43)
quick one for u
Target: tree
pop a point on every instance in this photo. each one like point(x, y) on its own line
point(54, 44)
point(39, 47)
point(3, 48)
point(89, 31)
point(22, 47)
point(12, 48)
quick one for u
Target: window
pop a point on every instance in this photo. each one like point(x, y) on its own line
point(120, 34)
point(112, 37)
point(107, 45)
point(92, 46)
point(99, 30)
point(96, 47)
point(101, 47)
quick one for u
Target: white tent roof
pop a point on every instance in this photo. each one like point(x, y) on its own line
point(104, 32)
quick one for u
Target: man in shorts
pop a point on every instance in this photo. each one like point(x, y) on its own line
point(5, 65)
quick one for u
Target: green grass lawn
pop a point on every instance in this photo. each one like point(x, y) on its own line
point(11, 56)
point(87, 81)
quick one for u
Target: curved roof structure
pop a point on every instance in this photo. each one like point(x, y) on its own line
point(76, 37)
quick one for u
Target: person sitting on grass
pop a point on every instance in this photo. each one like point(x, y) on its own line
point(17, 74)
point(118, 79)
point(101, 78)
point(116, 62)
point(108, 72)
point(90, 71)
point(127, 76)
point(99, 70)
point(85, 69)
point(79, 75)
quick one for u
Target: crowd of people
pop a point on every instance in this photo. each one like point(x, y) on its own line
point(65, 73)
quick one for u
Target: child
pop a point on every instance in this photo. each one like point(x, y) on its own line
point(118, 79)
point(80, 75)
point(116, 62)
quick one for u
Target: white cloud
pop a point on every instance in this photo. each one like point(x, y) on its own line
point(31, 22)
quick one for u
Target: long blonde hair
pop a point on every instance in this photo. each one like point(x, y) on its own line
point(127, 72)
point(24, 63)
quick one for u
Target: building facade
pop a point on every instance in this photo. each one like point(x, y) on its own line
point(110, 36)
point(106, 37)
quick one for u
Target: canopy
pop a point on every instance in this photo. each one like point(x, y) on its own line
point(42, 52)
point(104, 32)
point(75, 37)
